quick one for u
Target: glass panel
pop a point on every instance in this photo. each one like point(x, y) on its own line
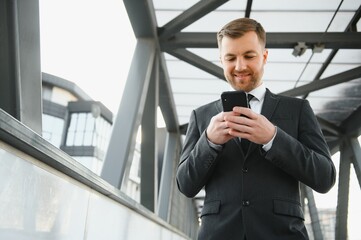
point(173, 4)
point(53, 128)
point(168, 10)
point(47, 92)
point(179, 69)
point(89, 130)
point(102, 133)
point(312, 5)
point(340, 22)
point(285, 55)
point(283, 71)
point(58, 129)
point(348, 56)
point(309, 73)
point(88, 138)
point(213, 21)
point(73, 122)
point(350, 4)
point(195, 99)
point(333, 69)
point(210, 54)
point(70, 139)
point(321, 57)
point(79, 132)
point(199, 86)
point(82, 118)
point(293, 21)
point(163, 17)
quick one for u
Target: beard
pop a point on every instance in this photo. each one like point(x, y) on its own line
point(247, 85)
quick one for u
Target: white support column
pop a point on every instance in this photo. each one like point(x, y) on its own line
point(149, 145)
point(122, 141)
point(356, 159)
point(343, 192)
point(20, 74)
point(315, 220)
point(168, 175)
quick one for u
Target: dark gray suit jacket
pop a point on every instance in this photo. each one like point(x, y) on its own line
point(257, 195)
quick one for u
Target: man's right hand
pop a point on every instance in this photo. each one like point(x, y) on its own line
point(217, 131)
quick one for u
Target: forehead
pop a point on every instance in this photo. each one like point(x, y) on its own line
point(248, 42)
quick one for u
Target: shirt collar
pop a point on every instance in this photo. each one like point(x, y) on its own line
point(259, 92)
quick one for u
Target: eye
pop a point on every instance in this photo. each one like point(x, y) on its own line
point(229, 59)
point(249, 56)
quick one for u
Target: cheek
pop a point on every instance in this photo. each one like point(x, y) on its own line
point(228, 67)
point(257, 66)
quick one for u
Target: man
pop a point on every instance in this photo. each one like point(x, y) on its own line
point(253, 194)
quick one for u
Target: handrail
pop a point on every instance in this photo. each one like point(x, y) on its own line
point(24, 139)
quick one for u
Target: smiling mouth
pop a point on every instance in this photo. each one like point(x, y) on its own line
point(242, 76)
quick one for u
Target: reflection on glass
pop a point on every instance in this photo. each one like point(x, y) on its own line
point(52, 129)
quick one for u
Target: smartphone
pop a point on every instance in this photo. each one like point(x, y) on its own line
point(231, 99)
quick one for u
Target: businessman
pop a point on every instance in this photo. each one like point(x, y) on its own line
point(253, 193)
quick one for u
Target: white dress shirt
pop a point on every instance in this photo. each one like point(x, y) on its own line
point(256, 104)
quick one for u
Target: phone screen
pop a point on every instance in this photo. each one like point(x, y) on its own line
point(231, 99)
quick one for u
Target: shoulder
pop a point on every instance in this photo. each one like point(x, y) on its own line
point(201, 116)
point(209, 108)
point(286, 99)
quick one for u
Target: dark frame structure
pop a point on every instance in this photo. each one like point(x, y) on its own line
point(170, 39)
point(148, 86)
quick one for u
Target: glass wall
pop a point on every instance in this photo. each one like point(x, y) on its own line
point(88, 137)
point(53, 129)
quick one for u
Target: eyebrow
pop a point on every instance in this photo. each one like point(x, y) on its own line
point(248, 52)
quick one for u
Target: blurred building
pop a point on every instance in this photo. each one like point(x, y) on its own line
point(81, 127)
point(74, 122)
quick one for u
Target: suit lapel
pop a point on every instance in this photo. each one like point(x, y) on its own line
point(269, 104)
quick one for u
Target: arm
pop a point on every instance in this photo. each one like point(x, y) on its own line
point(198, 158)
point(305, 157)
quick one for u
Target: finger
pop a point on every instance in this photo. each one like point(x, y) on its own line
point(242, 128)
point(239, 134)
point(243, 111)
point(240, 120)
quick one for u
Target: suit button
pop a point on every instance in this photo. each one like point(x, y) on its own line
point(245, 203)
point(245, 170)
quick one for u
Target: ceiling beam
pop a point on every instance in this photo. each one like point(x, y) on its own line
point(248, 9)
point(166, 99)
point(331, 40)
point(142, 18)
point(199, 62)
point(189, 16)
point(324, 83)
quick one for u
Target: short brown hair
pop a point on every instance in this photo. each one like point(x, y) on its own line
point(238, 27)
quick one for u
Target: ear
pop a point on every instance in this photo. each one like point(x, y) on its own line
point(265, 55)
point(220, 59)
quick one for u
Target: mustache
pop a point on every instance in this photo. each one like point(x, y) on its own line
point(242, 72)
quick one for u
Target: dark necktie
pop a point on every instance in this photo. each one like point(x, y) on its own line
point(245, 142)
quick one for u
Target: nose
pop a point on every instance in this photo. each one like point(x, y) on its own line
point(240, 64)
